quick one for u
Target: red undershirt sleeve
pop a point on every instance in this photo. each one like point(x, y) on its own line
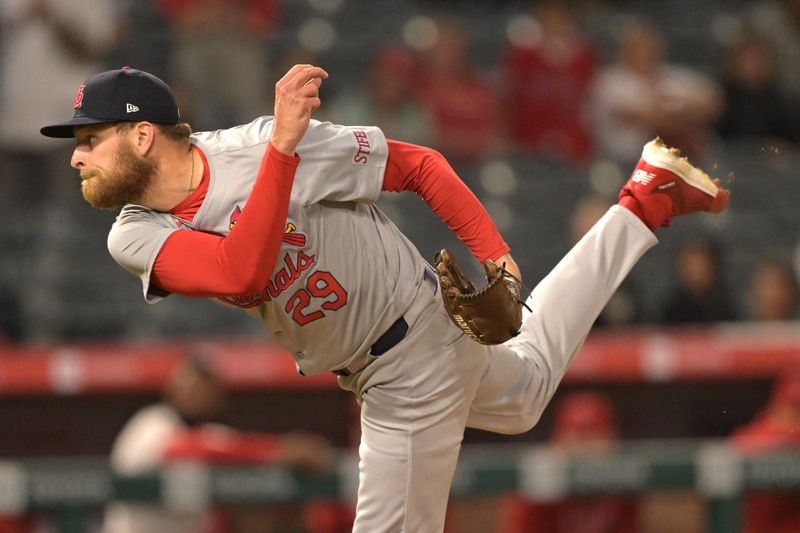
point(429, 175)
point(194, 263)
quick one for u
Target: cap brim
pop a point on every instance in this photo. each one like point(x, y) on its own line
point(65, 130)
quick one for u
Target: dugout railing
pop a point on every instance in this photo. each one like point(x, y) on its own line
point(71, 490)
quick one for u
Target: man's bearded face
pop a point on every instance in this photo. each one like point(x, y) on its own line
point(126, 182)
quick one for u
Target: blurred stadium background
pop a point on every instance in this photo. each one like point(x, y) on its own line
point(80, 352)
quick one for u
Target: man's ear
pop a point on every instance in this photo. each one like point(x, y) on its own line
point(144, 137)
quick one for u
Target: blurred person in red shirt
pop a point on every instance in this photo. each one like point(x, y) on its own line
point(584, 424)
point(776, 428)
point(180, 429)
point(463, 104)
point(547, 76)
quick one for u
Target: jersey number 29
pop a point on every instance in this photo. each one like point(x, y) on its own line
point(320, 284)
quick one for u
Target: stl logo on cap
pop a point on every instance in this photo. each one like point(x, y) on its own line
point(79, 97)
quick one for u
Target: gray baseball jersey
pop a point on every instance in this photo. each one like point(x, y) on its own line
point(344, 272)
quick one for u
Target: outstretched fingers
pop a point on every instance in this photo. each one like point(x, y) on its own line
point(301, 76)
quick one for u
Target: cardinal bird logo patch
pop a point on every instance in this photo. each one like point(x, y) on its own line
point(237, 212)
point(293, 237)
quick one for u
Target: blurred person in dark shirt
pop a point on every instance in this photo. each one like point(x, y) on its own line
point(779, 22)
point(774, 294)
point(699, 295)
point(756, 107)
point(584, 425)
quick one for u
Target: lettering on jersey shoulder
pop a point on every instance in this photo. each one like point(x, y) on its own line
point(364, 148)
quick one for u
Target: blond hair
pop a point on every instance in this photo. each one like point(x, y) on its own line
point(179, 132)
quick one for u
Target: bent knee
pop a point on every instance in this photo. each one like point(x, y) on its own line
point(525, 423)
point(505, 425)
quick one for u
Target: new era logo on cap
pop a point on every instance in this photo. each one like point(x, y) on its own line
point(108, 97)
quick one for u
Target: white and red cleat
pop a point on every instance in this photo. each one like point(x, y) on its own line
point(664, 185)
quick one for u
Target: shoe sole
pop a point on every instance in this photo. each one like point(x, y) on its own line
point(658, 154)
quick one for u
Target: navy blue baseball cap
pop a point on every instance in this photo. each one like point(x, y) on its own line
point(123, 95)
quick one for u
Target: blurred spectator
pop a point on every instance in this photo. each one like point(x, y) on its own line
point(386, 98)
point(144, 38)
point(47, 49)
point(700, 294)
point(584, 425)
point(755, 105)
point(776, 428)
point(220, 58)
point(778, 21)
point(640, 96)
point(624, 307)
point(463, 104)
point(774, 293)
point(547, 77)
point(179, 428)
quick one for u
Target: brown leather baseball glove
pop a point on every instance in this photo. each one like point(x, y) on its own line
point(491, 315)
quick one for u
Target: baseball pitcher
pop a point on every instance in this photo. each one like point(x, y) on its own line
point(278, 217)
